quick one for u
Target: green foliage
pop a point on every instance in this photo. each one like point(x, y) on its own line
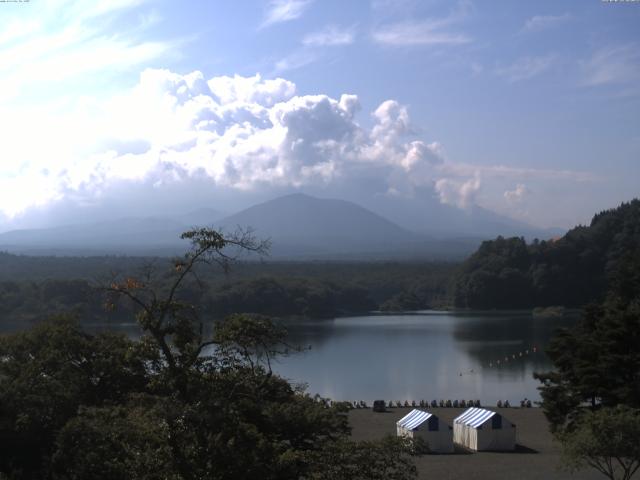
point(572, 271)
point(389, 459)
point(46, 374)
point(598, 361)
point(402, 302)
point(607, 440)
point(77, 406)
point(592, 398)
point(250, 338)
point(178, 403)
point(113, 443)
point(316, 290)
point(290, 297)
point(28, 301)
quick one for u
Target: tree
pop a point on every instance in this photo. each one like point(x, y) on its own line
point(47, 373)
point(184, 402)
point(115, 443)
point(572, 271)
point(389, 459)
point(597, 362)
point(592, 398)
point(607, 440)
point(171, 323)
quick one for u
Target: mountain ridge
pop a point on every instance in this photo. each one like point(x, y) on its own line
point(300, 226)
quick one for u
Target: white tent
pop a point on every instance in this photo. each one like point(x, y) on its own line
point(425, 425)
point(480, 429)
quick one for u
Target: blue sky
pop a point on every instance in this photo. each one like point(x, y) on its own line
point(530, 109)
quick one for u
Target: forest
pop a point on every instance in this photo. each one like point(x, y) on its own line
point(571, 271)
point(33, 288)
point(76, 405)
point(504, 273)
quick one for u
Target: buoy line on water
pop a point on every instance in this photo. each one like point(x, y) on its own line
point(502, 361)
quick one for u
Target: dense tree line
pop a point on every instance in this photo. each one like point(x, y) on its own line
point(179, 403)
point(290, 297)
point(30, 268)
point(571, 271)
point(26, 302)
point(317, 290)
point(30, 302)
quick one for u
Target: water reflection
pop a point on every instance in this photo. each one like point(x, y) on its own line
point(426, 355)
point(422, 356)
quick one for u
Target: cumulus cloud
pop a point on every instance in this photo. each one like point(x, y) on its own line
point(330, 36)
point(458, 193)
point(239, 133)
point(280, 11)
point(231, 137)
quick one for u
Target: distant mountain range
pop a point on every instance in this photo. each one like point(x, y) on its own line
point(299, 227)
point(427, 215)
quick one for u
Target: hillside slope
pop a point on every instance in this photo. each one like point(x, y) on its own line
point(302, 226)
point(572, 271)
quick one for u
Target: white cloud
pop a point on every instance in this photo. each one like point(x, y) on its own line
point(18, 28)
point(517, 194)
point(526, 68)
point(251, 89)
point(233, 134)
point(238, 132)
point(187, 133)
point(509, 173)
point(458, 193)
point(280, 11)
point(295, 60)
point(69, 44)
point(310, 51)
point(618, 64)
point(418, 33)
point(425, 32)
point(330, 36)
point(543, 22)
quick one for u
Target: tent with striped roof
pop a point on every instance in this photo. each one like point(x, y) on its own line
point(480, 429)
point(419, 424)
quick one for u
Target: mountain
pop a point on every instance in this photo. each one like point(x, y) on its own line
point(425, 214)
point(199, 217)
point(303, 226)
point(300, 218)
point(300, 227)
point(139, 236)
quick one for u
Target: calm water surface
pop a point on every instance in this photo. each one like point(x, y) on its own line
point(426, 355)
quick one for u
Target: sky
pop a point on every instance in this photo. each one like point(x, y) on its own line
point(134, 107)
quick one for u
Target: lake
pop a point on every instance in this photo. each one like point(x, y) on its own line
point(425, 355)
